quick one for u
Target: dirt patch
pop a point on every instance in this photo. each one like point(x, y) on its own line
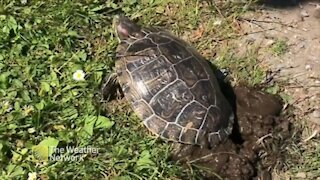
point(289, 43)
point(246, 154)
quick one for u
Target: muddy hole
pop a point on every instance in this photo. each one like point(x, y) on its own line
point(255, 146)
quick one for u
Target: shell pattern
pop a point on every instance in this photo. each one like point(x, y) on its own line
point(171, 86)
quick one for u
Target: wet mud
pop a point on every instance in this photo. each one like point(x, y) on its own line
point(252, 150)
point(255, 146)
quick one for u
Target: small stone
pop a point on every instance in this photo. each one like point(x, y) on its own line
point(316, 13)
point(304, 13)
point(315, 117)
point(301, 175)
point(317, 82)
point(308, 67)
point(269, 42)
point(302, 46)
point(316, 113)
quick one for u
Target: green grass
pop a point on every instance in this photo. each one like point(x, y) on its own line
point(42, 43)
point(245, 69)
point(303, 157)
point(279, 48)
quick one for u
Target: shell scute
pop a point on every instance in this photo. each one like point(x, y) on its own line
point(171, 86)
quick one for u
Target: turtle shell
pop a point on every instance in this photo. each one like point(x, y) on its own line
point(171, 87)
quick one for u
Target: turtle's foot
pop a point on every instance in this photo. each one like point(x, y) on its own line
point(111, 89)
point(112, 100)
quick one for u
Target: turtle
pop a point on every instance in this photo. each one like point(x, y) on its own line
point(170, 86)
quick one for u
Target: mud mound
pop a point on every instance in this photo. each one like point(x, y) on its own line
point(246, 154)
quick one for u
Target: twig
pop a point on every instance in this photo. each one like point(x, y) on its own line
point(260, 140)
point(303, 99)
point(314, 133)
point(255, 32)
point(212, 154)
point(265, 21)
point(251, 22)
point(218, 10)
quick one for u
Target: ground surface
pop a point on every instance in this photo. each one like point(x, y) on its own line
point(43, 43)
point(289, 41)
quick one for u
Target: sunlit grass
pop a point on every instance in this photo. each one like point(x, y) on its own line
point(53, 58)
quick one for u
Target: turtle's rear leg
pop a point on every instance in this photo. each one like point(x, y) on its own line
point(111, 89)
point(112, 101)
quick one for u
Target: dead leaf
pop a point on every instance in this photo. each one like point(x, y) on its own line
point(198, 33)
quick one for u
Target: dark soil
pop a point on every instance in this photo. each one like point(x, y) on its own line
point(247, 153)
